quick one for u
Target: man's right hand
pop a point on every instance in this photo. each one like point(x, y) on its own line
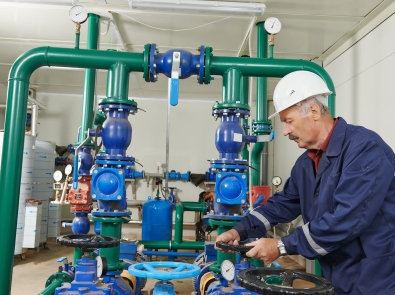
point(230, 237)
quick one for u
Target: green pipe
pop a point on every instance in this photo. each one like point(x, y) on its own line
point(17, 93)
point(261, 106)
point(244, 100)
point(270, 67)
point(118, 82)
point(77, 40)
point(88, 97)
point(185, 245)
point(231, 85)
point(50, 290)
point(180, 208)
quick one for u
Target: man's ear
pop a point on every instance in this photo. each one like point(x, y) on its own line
point(315, 111)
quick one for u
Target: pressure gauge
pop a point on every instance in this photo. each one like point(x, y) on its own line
point(78, 14)
point(158, 164)
point(57, 175)
point(276, 180)
point(68, 169)
point(272, 25)
point(102, 266)
point(228, 270)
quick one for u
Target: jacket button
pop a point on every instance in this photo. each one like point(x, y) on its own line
point(316, 194)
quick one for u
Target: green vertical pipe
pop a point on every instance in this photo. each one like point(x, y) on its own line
point(231, 86)
point(77, 255)
point(88, 97)
point(118, 82)
point(179, 223)
point(261, 106)
point(244, 100)
point(11, 167)
point(111, 229)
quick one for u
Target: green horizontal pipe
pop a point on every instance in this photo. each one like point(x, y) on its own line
point(38, 57)
point(194, 206)
point(50, 290)
point(185, 245)
point(270, 67)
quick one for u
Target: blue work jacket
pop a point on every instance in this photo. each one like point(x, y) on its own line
point(348, 208)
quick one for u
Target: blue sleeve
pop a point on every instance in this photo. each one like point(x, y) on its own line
point(282, 207)
point(360, 190)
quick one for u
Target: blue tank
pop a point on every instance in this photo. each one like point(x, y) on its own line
point(157, 220)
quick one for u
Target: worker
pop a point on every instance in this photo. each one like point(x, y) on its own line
point(343, 185)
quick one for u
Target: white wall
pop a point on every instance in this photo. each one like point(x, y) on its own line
point(364, 80)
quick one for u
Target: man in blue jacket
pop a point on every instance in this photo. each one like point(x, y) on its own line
point(343, 185)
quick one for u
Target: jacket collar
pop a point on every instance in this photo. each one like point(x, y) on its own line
point(336, 142)
point(337, 139)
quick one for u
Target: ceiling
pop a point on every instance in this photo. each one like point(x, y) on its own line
point(311, 29)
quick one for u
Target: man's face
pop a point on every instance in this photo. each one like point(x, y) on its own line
point(299, 128)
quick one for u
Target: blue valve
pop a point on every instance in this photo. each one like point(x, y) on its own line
point(179, 270)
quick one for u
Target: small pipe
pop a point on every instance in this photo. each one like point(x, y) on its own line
point(140, 222)
point(186, 245)
point(50, 290)
point(36, 102)
point(34, 120)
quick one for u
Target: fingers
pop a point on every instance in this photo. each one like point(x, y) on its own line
point(264, 249)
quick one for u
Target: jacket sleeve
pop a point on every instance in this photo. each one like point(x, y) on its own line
point(360, 191)
point(282, 207)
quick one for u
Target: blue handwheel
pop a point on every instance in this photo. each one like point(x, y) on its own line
point(164, 270)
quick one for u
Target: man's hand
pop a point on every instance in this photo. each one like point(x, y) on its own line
point(264, 249)
point(230, 237)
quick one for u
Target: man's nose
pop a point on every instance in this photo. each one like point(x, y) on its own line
point(286, 130)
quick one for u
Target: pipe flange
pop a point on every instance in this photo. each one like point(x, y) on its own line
point(146, 62)
point(153, 77)
point(231, 106)
point(207, 62)
point(201, 65)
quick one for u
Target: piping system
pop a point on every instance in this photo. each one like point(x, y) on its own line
point(117, 106)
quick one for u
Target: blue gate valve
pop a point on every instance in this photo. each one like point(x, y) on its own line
point(174, 80)
point(170, 271)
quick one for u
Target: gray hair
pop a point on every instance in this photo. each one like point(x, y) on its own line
point(304, 105)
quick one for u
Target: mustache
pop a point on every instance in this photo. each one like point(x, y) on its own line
point(291, 137)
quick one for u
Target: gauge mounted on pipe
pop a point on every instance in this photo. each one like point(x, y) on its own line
point(272, 25)
point(277, 180)
point(78, 14)
point(228, 270)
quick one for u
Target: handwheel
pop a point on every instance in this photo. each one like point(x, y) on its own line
point(87, 243)
point(164, 270)
point(241, 248)
point(279, 282)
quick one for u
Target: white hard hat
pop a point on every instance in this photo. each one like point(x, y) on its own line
point(297, 86)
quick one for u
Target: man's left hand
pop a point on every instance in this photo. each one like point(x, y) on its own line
point(264, 249)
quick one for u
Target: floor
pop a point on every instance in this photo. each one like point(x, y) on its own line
point(30, 275)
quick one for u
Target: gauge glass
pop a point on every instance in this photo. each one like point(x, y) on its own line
point(272, 25)
point(57, 175)
point(228, 270)
point(68, 169)
point(78, 14)
point(276, 180)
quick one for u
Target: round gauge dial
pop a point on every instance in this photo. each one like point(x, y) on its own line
point(272, 25)
point(228, 270)
point(158, 164)
point(57, 175)
point(102, 266)
point(78, 14)
point(276, 180)
point(68, 169)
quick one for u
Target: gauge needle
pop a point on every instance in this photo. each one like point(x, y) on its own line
point(228, 269)
point(273, 24)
